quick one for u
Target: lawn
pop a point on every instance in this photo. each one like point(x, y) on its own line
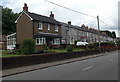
point(10, 55)
point(6, 53)
point(56, 50)
point(65, 50)
point(78, 49)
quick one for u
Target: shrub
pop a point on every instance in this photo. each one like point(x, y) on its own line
point(118, 42)
point(44, 47)
point(17, 46)
point(103, 44)
point(69, 48)
point(28, 46)
point(17, 51)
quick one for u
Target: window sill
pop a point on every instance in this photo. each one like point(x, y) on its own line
point(40, 29)
point(56, 44)
point(56, 31)
point(39, 44)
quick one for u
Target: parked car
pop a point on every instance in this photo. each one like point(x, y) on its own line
point(82, 43)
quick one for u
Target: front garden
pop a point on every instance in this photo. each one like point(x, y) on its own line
point(29, 56)
point(9, 53)
point(28, 49)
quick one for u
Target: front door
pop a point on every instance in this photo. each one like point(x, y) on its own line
point(49, 42)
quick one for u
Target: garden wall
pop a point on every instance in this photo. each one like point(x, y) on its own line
point(13, 62)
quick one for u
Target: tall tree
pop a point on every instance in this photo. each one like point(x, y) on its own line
point(113, 34)
point(8, 21)
point(110, 34)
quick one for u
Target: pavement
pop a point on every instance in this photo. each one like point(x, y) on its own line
point(13, 71)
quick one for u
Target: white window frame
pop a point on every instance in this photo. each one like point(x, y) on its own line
point(48, 26)
point(41, 41)
point(56, 41)
point(56, 28)
point(40, 26)
point(11, 41)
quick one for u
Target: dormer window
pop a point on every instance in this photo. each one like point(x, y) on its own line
point(40, 26)
point(56, 28)
point(48, 26)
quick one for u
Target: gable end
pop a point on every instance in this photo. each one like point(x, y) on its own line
point(21, 15)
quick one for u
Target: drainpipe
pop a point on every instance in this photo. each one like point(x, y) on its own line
point(33, 30)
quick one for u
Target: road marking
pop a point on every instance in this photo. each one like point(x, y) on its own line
point(87, 68)
point(110, 60)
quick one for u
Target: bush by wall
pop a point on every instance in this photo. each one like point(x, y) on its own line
point(103, 45)
point(44, 47)
point(118, 44)
point(28, 46)
point(69, 48)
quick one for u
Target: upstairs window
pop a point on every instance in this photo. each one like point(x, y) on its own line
point(56, 28)
point(48, 26)
point(40, 26)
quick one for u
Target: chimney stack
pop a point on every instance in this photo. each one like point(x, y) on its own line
point(51, 15)
point(83, 25)
point(69, 22)
point(25, 8)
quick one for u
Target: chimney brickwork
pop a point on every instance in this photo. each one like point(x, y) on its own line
point(25, 8)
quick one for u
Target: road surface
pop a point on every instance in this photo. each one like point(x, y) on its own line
point(99, 68)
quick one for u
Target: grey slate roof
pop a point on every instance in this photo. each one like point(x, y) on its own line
point(42, 18)
point(73, 26)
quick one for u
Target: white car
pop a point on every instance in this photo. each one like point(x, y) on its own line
point(81, 43)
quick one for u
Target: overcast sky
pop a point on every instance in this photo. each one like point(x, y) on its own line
point(106, 9)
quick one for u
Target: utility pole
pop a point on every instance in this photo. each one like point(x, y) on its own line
point(99, 34)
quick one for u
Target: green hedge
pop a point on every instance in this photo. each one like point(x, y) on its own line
point(118, 42)
point(28, 46)
point(102, 44)
point(69, 48)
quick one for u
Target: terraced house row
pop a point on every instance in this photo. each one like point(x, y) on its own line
point(47, 30)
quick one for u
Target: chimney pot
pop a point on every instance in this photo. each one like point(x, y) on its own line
point(82, 25)
point(69, 22)
point(52, 15)
point(25, 8)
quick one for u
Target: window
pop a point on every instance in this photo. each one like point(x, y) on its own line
point(56, 28)
point(48, 27)
point(40, 26)
point(56, 41)
point(40, 41)
point(37, 40)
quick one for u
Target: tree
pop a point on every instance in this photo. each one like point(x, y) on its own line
point(8, 21)
point(113, 34)
point(110, 34)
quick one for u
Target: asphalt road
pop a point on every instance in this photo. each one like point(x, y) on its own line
point(99, 68)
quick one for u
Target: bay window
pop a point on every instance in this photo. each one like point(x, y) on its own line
point(40, 41)
point(56, 41)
